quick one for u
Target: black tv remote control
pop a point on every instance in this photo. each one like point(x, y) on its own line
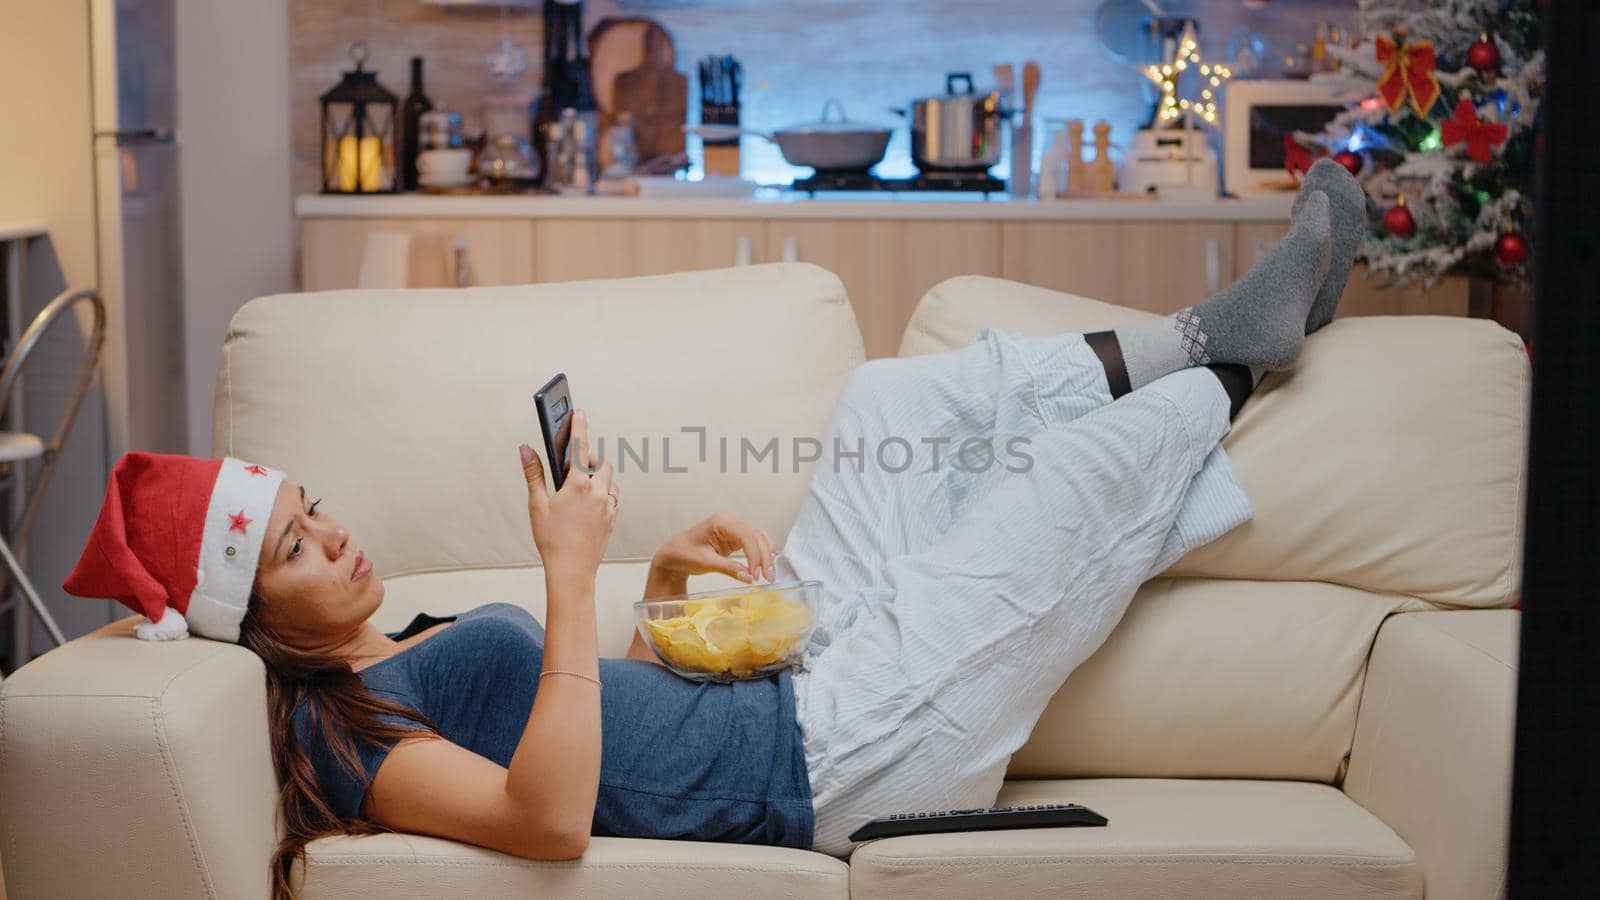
point(1043, 815)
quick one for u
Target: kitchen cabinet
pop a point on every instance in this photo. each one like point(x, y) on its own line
point(1361, 297)
point(1156, 266)
point(576, 249)
point(887, 254)
point(493, 251)
point(886, 267)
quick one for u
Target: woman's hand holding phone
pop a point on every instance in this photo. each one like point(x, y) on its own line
point(572, 526)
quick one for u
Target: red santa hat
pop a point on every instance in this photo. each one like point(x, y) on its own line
point(178, 539)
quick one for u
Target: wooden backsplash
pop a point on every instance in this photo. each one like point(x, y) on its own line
point(874, 55)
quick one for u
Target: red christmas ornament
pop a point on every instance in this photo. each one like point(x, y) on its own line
point(1398, 221)
point(1479, 136)
point(1351, 161)
point(1484, 55)
point(1511, 249)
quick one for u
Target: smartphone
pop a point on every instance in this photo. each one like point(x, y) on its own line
point(554, 404)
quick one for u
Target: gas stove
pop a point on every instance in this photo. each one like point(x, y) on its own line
point(850, 180)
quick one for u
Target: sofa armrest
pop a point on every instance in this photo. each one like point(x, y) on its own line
point(1433, 743)
point(137, 769)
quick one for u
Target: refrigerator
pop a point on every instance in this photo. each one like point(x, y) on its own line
point(136, 147)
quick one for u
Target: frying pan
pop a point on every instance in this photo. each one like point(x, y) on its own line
point(827, 145)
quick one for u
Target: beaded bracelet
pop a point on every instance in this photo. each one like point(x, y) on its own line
point(565, 672)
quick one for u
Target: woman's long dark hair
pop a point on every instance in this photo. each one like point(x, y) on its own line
point(342, 710)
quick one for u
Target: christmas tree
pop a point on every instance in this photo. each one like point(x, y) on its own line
point(1441, 131)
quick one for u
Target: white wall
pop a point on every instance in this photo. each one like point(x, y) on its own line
point(233, 124)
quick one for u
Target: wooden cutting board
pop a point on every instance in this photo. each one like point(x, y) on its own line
point(616, 44)
point(657, 95)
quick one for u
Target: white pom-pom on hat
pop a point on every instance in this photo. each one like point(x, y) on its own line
point(172, 627)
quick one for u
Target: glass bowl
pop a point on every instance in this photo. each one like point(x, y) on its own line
point(740, 633)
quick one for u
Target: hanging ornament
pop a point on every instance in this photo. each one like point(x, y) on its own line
point(1480, 137)
point(1297, 159)
point(1351, 161)
point(1398, 221)
point(1484, 55)
point(1511, 249)
point(1410, 70)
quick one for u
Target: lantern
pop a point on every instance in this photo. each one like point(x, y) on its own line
point(358, 133)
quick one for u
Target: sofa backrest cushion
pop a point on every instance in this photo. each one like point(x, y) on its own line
point(404, 408)
point(1391, 459)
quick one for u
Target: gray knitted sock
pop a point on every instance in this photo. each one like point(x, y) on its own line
point(1258, 322)
point(1347, 211)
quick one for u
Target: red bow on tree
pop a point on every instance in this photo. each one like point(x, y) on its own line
point(1409, 70)
point(1296, 158)
point(1480, 136)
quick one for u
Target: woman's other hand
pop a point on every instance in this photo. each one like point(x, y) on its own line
point(572, 526)
point(705, 547)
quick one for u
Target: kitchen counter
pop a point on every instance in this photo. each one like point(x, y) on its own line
point(769, 203)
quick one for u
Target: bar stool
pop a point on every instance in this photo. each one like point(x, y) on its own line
point(27, 371)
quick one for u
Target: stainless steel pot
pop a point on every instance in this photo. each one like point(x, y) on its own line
point(958, 131)
point(827, 145)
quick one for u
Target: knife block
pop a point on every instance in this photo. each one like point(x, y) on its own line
point(722, 158)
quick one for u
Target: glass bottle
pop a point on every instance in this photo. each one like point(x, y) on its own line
point(620, 148)
point(416, 103)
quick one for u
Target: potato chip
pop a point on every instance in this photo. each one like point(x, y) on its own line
point(766, 635)
point(728, 633)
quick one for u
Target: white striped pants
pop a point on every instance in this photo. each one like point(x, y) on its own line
point(957, 600)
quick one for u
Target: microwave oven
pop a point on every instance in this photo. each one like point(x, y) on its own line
point(1256, 117)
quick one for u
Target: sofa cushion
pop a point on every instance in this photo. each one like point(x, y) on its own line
point(385, 866)
point(1391, 459)
point(1211, 678)
point(403, 409)
point(1164, 838)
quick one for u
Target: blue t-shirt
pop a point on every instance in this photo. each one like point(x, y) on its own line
point(678, 759)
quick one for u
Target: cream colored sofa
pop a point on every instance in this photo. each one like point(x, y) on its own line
point(1318, 705)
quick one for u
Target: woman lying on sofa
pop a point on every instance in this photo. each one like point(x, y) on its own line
point(955, 602)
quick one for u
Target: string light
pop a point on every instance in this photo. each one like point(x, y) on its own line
point(1167, 76)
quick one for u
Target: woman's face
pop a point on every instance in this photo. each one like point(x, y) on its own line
point(318, 587)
